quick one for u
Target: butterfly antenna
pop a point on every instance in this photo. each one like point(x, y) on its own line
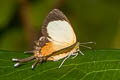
point(88, 43)
point(86, 46)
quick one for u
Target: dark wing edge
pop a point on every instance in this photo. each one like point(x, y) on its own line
point(55, 14)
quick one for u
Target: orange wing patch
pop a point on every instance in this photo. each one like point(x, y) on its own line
point(47, 49)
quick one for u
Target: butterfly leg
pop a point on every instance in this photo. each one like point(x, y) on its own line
point(78, 50)
point(75, 55)
point(64, 60)
point(19, 61)
point(38, 60)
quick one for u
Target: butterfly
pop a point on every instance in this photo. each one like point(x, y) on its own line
point(58, 41)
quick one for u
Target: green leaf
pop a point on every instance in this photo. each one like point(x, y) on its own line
point(94, 65)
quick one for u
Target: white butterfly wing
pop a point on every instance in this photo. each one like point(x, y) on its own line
point(58, 30)
point(61, 33)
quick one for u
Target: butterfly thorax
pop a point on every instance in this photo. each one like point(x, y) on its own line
point(41, 47)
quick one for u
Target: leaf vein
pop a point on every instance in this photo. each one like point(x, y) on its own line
point(98, 71)
point(66, 74)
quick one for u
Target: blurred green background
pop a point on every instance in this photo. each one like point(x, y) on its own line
point(92, 20)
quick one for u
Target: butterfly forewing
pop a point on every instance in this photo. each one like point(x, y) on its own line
point(58, 29)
